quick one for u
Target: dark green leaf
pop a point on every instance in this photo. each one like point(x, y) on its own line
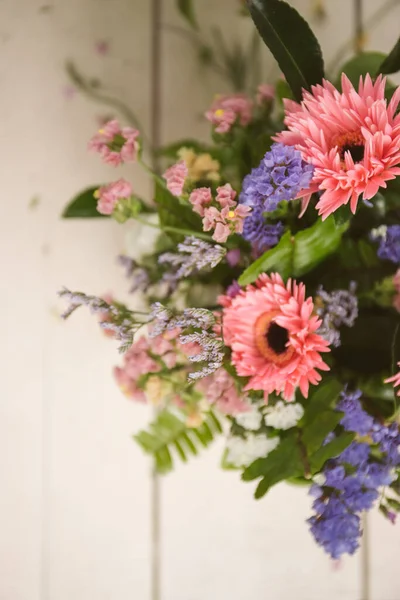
point(83, 206)
point(296, 255)
point(186, 9)
point(391, 64)
point(315, 433)
point(174, 213)
point(342, 214)
point(283, 462)
point(330, 450)
point(291, 41)
point(361, 64)
point(395, 504)
point(277, 259)
point(321, 399)
point(314, 244)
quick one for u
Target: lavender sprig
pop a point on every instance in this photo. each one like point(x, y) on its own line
point(115, 317)
point(202, 322)
point(338, 308)
point(194, 256)
point(139, 275)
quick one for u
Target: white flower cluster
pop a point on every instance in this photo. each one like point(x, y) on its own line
point(284, 415)
point(243, 451)
point(251, 419)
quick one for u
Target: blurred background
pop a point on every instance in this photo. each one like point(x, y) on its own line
point(81, 515)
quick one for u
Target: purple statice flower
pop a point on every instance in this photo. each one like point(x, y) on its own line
point(196, 325)
point(139, 275)
point(281, 175)
point(388, 438)
point(259, 234)
point(355, 454)
point(389, 242)
point(334, 528)
point(352, 480)
point(193, 255)
point(115, 317)
point(355, 418)
point(233, 289)
point(336, 308)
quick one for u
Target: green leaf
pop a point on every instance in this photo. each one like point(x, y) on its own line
point(314, 244)
point(361, 64)
point(315, 433)
point(83, 206)
point(321, 399)
point(296, 255)
point(186, 9)
point(330, 450)
point(291, 41)
point(282, 463)
point(173, 213)
point(277, 259)
point(391, 64)
point(342, 215)
point(169, 434)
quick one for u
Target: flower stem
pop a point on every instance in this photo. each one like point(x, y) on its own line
point(178, 230)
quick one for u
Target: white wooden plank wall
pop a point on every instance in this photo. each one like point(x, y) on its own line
point(75, 516)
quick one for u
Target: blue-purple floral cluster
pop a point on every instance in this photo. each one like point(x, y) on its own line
point(353, 480)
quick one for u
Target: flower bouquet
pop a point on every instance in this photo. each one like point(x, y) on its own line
point(272, 289)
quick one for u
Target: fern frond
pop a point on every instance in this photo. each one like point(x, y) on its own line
point(169, 435)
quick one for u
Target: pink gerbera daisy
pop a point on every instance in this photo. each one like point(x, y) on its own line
point(395, 380)
point(271, 330)
point(352, 139)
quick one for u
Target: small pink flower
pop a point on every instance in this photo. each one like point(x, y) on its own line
point(226, 195)
point(128, 386)
point(233, 257)
point(175, 177)
point(265, 93)
point(220, 390)
point(102, 47)
point(226, 221)
point(109, 195)
point(115, 144)
point(221, 233)
point(211, 217)
point(395, 380)
point(200, 198)
point(226, 110)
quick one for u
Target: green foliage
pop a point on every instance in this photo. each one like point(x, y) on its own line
point(361, 64)
point(301, 453)
point(186, 9)
point(391, 64)
point(169, 433)
point(283, 462)
point(296, 255)
point(173, 213)
point(83, 206)
point(291, 41)
point(321, 399)
point(330, 450)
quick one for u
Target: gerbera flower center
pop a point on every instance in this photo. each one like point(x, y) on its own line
point(352, 142)
point(272, 340)
point(277, 337)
